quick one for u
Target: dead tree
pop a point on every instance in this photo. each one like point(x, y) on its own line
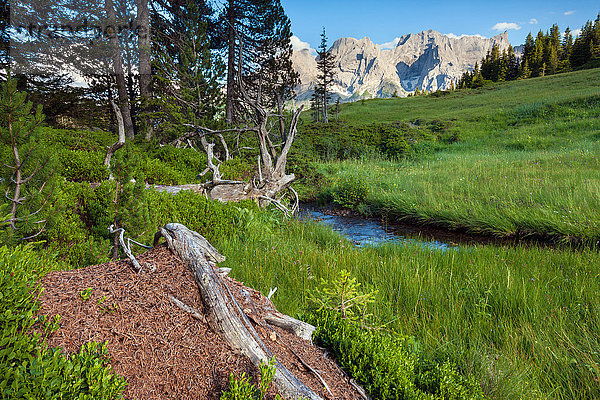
point(120, 141)
point(225, 315)
point(271, 177)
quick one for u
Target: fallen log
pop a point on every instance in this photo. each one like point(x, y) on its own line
point(297, 327)
point(225, 315)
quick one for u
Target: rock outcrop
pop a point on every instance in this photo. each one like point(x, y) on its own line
point(427, 60)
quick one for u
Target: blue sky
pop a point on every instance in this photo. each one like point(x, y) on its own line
point(385, 20)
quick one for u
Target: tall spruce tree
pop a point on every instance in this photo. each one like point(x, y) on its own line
point(325, 66)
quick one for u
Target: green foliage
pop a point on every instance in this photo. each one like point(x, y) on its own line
point(343, 295)
point(130, 206)
point(387, 365)
point(350, 191)
point(29, 368)
point(181, 165)
point(241, 388)
point(85, 294)
point(237, 169)
point(82, 166)
point(158, 172)
point(27, 170)
point(75, 140)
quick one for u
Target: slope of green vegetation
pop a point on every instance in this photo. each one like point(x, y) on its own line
point(525, 161)
point(522, 321)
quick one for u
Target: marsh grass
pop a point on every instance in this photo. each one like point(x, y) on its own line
point(523, 321)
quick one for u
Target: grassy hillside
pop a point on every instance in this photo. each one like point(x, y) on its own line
point(472, 104)
point(525, 161)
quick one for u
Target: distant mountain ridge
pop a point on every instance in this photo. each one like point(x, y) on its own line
point(428, 60)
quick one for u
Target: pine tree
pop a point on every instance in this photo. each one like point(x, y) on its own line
point(325, 66)
point(528, 49)
point(27, 172)
point(537, 58)
point(525, 71)
point(188, 73)
point(513, 65)
point(262, 30)
point(566, 50)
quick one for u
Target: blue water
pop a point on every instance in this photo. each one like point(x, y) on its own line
point(366, 232)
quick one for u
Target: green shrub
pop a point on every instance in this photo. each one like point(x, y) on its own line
point(350, 191)
point(31, 370)
point(187, 162)
point(210, 218)
point(237, 169)
point(242, 389)
point(388, 366)
point(82, 166)
point(71, 139)
point(76, 232)
point(158, 172)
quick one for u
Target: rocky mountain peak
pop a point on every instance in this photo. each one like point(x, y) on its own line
point(428, 60)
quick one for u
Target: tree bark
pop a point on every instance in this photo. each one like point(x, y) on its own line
point(121, 141)
point(144, 51)
point(118, 70)
point(223, 314)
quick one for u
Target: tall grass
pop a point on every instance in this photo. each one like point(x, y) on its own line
point(524, 320)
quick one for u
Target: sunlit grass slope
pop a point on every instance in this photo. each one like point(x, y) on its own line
point(527, 160)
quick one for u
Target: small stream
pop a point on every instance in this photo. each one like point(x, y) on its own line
point(365, 232)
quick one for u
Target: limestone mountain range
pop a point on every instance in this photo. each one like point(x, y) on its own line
point(427, 60)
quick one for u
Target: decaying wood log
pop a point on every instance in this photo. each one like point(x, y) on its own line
point(224, 314)
point(297, 327)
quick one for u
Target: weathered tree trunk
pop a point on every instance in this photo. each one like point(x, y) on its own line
point(224, 315)
point(121, 131)
point(118, 71)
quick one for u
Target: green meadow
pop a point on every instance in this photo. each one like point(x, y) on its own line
point(521, 319)
point(526, 161)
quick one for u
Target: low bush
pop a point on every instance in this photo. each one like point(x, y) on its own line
point(389, 366)
point(30, 369)
point(350, 191)
point(82, 166)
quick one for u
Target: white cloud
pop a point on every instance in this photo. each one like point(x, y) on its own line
point(505, 26)
point(453, 36)
point(569, 12)
point(576, 32)
point(390, 45)
point(298, 45)
point(533, 21)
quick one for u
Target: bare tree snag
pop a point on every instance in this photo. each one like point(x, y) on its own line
point(225, 315)
point(121, 141)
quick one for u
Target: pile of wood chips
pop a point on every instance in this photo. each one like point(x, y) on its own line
point(162, 351)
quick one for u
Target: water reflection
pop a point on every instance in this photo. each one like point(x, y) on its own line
point(366, 232)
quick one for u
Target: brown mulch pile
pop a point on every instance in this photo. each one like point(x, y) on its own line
point(162, 351)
